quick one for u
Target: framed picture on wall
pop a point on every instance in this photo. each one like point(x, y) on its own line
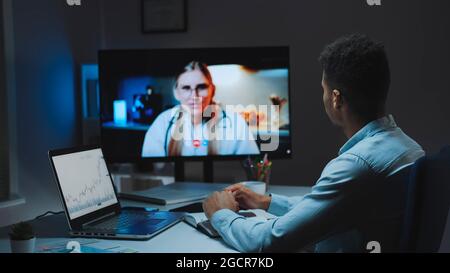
point(164, 16)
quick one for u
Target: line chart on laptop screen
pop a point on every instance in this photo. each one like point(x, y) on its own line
point(85, 182)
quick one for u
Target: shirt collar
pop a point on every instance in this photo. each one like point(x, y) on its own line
point(382, 124)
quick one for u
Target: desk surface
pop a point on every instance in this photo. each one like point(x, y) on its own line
point(180, 238)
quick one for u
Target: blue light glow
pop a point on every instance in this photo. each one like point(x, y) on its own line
point(90, 101)
point(120, 112)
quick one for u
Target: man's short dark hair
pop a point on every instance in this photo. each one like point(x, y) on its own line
point(359, 68)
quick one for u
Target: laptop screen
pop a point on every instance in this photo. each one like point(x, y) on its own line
point(85, 182)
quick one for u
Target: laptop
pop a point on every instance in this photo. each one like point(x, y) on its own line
point(91, 203)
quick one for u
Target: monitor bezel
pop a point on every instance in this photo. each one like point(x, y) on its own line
point(145, 160)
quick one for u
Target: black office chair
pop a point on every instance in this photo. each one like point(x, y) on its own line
point(428, 204)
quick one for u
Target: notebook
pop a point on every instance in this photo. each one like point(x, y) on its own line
point(200, 221)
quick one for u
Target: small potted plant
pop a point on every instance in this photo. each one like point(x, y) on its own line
point(22, 238)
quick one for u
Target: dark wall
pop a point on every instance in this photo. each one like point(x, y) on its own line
point(414, 31)
point(4, 189)
point(52, 39)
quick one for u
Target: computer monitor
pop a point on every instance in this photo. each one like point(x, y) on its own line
point(194, 103)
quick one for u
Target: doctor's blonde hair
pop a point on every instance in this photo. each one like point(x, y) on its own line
point(176, 141)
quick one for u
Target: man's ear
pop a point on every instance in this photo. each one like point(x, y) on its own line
point(337, 99)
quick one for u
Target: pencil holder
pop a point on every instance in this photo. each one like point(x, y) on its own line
point(266, 177)
point(258, 170)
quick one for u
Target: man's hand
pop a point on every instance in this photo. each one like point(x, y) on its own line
point(248, 199)
point(218, 201)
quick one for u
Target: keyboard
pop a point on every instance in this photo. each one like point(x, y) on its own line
point(123, 221)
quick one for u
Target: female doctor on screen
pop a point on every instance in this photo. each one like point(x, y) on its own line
point(198, 126)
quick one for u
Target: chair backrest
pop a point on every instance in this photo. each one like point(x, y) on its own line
point(428, 204)
point(386, 214)
point(378, 217)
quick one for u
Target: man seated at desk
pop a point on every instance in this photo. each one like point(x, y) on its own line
point(349, 205)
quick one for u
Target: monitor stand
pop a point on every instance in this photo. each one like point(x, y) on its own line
point(208, 171)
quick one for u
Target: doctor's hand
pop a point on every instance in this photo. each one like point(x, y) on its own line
point(249, 199)
point(218, 201)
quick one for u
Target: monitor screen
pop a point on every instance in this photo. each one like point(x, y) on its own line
point(85, 182)
point(168, 103)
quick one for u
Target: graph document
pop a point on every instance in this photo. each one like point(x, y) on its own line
point(85, 182)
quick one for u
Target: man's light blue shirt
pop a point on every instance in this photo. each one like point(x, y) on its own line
point(337, 215)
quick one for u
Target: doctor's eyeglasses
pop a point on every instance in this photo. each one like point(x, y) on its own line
point(201, 90)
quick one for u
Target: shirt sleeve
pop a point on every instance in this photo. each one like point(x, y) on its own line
point(280, 205)
point(327, 208)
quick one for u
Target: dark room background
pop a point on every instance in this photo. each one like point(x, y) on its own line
point(52, 40)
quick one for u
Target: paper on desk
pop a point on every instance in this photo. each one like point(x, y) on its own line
point(112, 246)
point(58, 245)
point(87, 246)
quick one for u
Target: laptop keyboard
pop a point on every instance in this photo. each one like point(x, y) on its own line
point(124, 221)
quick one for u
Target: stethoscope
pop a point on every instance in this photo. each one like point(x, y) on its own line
point(179, 115)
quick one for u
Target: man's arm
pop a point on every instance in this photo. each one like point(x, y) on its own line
point(331, 205)
point(273, 203)
point(280, 205)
